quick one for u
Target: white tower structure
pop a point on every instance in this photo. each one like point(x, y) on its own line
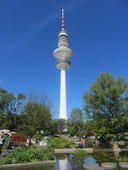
point(63, 53)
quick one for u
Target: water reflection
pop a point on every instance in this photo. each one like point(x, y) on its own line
point(90, 160)
point(116, 154)
point(63, 164)
point(67, 162)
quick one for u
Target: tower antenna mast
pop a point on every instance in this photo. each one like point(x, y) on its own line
point(63, 26)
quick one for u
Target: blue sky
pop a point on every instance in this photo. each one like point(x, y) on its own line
point(97, 33)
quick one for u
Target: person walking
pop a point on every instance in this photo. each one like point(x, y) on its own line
point(1, 144)
point(8, 142)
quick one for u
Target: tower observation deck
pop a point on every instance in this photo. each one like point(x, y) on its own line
point(63, 54)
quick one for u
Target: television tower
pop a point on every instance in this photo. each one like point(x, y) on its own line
point(63, 53)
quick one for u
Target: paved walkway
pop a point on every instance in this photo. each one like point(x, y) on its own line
point(69, 150)
point(27, 165)
point(93, 167)
point(88, 150)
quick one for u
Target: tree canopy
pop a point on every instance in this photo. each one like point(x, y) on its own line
point(106, 103)
point(36, 116)
point(76, 123)
point(10, 107)
point(76, 115)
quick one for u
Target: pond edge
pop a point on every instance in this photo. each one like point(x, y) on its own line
point(52, 162)
point(27, 165)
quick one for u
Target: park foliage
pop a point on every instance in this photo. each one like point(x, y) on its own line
point(28, 154)
point(106, 105)
point(104, 112)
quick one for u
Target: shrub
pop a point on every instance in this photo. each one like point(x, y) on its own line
point(28, 154)
point(16, 138)
point(38, 137)
point(60, 143)
point(22, 136)
point(19, 137)
point(80, 154)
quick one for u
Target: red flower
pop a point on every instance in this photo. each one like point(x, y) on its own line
point(16, 138)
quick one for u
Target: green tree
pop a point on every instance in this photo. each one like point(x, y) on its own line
point(58, 126)
point(76, 114)
point(76, 123)
point(36, 116)
point(10, 106)
point(53, 127)
point(107, 104)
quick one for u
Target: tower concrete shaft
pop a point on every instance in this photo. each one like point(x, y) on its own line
point(63, 53)
point(63, 102)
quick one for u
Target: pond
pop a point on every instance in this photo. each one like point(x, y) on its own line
point(67, 161)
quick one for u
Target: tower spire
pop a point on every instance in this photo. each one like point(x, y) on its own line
point(62, 20)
